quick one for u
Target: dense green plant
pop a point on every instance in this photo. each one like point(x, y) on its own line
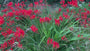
point(40, 28)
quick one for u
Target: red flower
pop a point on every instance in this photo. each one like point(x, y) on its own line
point(10, 49)
point(85, 9)
point(73, 3)
point(36, 11)
point(55, 45)
point(17, 13)
point(32, 17)
point(59, 9)
point(17, 18)
point(11, 41)
point(57, 22)
point(5, 10)
point(4, 45)
point(36, 3)
point(82, 0)
point(62, 1)
point(19, 33)
point(49, 41)
point(63, 38)
point(10, 4)
point(30, 5)
point(88, 12)
point(41, 20)
point(47, 19)
point(10, 14)
point(78, 35)
point(4, 34)
point(77, 19)
point(88, 19)
point(40, 1)
point(64, 5)
point(67, 10)
point(9, 31)
point(60, 18)
point(27, 12)
point(33, 28)
point(89, 4)
point(1, 20)
point(0, 6)
point(17, 5)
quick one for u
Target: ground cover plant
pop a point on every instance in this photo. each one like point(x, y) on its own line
point(40, 27)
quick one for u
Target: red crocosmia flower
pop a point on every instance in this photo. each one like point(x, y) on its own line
point(10, 4)
point(82, 0)
point(59, 9)
point(57, 22)
point(26, 12)
point(1, 20)
point(30, 5)
point(73, 3)
point(65, 15)
point(88, 12)
point(11, 22)
point(67, 10)
point(17, 18)
point(40, 1)
point(12, 8)
point(17, 13)
point(4, 34)
point(22, 4)
point(11, 41)
point(9, 31)
point(85, 9)
point(17, 5)
point(77, 19)
point(60, 18)
point(33, 28)
point(55, 45)
point(0, 6)
point(36, 3)
point(11, 49)
point(36, 11)
point(17, 39)
point(63, 38)
point(47, 19)
point(5, 10)
point(49, 41)
point(62, 1)
point(88, 19)
point(78, 35)
point(19, 33)
point(64, 5)
point(4, 45)
point(25, 0)
point(41, 20)
point(4, 15)
point(32, 17)
point(89, 4)
point(85, 26)
point(10, 14)
point(9, 19)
